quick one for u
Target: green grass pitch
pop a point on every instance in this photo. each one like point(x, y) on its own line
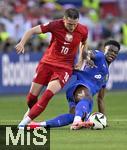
point(114, 137)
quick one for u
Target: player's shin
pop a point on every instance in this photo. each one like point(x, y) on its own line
point(41, 104)
point(31, 100)
point(82, 111)
point(37, 108)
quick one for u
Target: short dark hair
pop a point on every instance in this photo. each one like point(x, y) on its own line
point(112, 42)
point(71, 13)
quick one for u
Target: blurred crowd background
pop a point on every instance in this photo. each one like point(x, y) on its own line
point(105, 19)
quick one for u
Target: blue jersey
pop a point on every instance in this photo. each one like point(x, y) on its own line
point(93, 78)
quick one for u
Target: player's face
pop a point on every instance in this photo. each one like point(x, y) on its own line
point(111, 53)
point(70, 24)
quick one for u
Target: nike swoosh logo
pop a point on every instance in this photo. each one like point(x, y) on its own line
point(66, 43)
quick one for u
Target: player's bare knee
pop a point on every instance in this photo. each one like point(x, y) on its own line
point(81, 92)
point(79, 96)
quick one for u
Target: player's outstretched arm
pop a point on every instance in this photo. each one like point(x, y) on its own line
point(82, 50)
point(100, 100)
point(85, 57)
point(20, 46)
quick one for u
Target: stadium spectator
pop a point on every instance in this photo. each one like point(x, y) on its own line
point(5, 40)
point(123, 33)
point(3, 33)
point(55, 67)
point(20, 15)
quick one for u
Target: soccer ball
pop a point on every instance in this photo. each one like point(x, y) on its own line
point(99, 120)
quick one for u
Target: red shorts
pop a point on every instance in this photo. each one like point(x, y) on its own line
point(46, 73)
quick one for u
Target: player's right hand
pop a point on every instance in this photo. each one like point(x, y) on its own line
point(20, 48)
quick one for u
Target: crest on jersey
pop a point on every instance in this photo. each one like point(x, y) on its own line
point(69, 37)
point(107, 77)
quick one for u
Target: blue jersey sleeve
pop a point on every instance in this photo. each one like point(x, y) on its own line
point(98, 54)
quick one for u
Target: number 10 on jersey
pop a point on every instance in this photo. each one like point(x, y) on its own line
point(64, 50)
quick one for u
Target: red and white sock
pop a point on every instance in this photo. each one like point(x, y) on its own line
point(41, 104)
point(31, 100)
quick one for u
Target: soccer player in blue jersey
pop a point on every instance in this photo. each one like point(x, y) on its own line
point(89, 81)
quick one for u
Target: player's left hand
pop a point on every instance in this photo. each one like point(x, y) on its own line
point(78, 66)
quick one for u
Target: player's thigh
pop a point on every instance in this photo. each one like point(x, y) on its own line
point(62, 74)
point(54, 86)
point(81, 92)
point(35, 88)
point(59, 78)
point(43, 74)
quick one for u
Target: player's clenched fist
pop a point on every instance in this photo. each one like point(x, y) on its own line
point(19, 48)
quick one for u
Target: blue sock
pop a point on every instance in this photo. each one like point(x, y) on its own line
point(61, 120)
point(84, 108)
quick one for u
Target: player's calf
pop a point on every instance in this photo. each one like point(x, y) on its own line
point(31, 100)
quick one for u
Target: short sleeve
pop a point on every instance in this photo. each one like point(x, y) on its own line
point(85, 35)
point(98, 54)
point(47, 27)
